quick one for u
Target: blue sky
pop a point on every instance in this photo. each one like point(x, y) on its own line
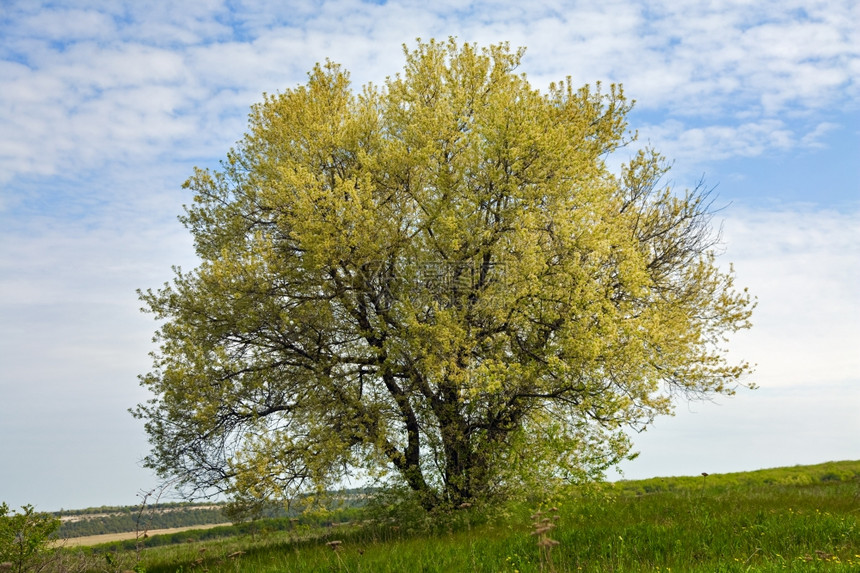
point(106, 106)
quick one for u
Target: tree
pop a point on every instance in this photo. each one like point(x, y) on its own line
point(438, 280)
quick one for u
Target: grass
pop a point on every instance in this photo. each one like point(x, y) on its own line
point(803, 519)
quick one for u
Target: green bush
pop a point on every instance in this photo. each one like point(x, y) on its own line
point(24, 537)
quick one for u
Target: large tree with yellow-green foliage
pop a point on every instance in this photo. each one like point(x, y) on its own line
point(438, 280)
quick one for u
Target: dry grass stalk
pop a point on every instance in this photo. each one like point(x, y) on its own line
point(541, 526)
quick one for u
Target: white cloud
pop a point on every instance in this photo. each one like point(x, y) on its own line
point(803, 265)
point(763, 428)
point(814, 137)
point(73, 343)
point(144, 78)
point(695, 146)
point(64, 25)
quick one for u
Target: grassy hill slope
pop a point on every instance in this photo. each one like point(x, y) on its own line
point(804, 518)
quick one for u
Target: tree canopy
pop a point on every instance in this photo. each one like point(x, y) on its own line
point(438, 281)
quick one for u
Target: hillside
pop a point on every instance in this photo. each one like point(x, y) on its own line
point(104, 520)
point(844, 471)
point(121, 519)
point(796, 519)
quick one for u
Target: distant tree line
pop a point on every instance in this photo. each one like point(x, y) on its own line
point(258, 527)
point(125, 508)
point(123, 519)
point(120, 519)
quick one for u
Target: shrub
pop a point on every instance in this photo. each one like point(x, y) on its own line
point(24, 537)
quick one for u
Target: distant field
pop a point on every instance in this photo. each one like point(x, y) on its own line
point(110, 537)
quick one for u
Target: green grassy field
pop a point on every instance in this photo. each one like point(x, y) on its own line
point(801, 519)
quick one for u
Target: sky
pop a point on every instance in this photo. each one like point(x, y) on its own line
point(106, 106)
